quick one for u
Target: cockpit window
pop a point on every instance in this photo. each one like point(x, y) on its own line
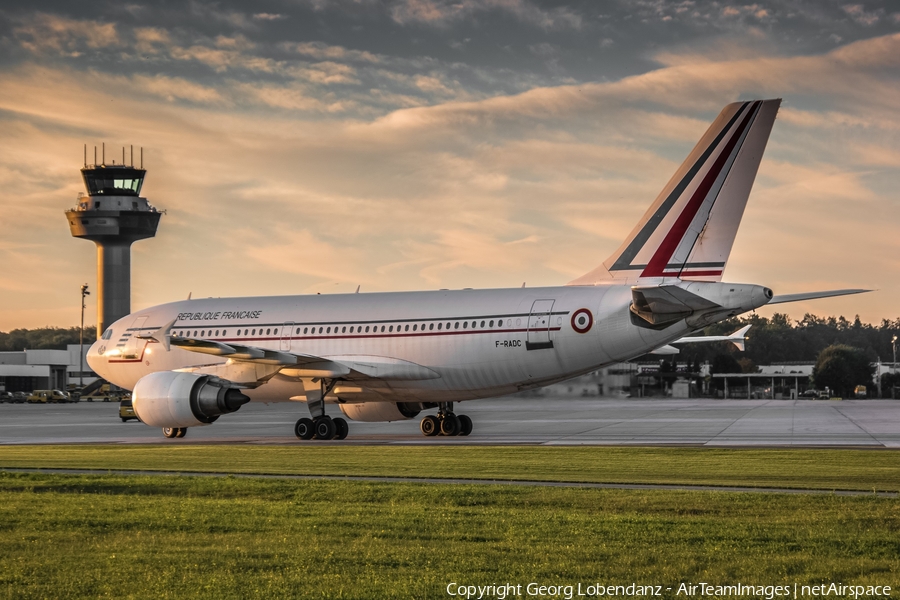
point(107, 334)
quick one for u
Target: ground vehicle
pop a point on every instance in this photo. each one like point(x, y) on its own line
point(18, 397)
point(48, 396)
point(859, 391)
point(126, 411)
point(103, 393)
point(5, 397)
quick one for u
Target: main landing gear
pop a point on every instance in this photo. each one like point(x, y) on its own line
point(321, 426)
point(446, 422)
point(174, 432)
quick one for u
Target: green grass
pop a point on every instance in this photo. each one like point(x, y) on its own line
point(66, 536)
point(829, 469)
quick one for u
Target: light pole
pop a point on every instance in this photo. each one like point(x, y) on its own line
point(894, 365)
point(84, 292)
point(894, 346)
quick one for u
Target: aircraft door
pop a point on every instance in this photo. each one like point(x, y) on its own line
point(129, 342)
point(286, 334)
point(538, 335)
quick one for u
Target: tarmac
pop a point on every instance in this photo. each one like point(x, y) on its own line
point(547, 420)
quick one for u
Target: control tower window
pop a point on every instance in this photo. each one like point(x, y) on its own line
point(113, 180)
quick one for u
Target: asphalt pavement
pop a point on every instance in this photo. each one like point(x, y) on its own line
point(548, 420)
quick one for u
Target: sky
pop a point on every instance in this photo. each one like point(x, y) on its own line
point(313, 146)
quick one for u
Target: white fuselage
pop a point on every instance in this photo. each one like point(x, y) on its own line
point(475, 343)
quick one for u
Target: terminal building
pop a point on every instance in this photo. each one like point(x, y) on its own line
point(29, 370)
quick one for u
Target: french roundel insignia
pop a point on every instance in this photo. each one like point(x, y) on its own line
point(582, 320)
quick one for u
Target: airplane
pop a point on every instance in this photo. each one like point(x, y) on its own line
point(391, 356)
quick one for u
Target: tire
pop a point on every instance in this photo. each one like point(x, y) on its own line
point(124, 420)
point(304, 429)
point(341, 428)
point(450, 425)
point(465, 425)
point(182, 431)
point(430, 426)
point(170, 432)
point(325, 428)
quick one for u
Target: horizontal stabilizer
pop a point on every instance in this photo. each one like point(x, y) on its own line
point(782, 298)
point(666, 350)
point(737, 338)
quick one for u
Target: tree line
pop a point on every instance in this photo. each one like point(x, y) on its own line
point(779, 339)
point(44, 338)
point(842, 351)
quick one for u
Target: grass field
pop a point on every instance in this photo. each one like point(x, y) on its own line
point(114, 536)
point(166, 537)
point(828, 469)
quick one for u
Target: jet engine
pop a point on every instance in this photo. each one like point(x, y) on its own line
point(381, 411)
point(171, 399)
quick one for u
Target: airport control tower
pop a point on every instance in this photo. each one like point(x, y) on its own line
point(113, 215)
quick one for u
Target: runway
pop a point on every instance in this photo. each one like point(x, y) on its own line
point(549, 420)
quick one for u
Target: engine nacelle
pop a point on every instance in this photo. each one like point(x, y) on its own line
point(171, 399)
point(381, 411)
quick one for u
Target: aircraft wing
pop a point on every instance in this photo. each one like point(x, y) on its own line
point(781, 298)
point(252, 366)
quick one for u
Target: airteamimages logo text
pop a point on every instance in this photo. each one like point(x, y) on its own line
point(501, 591)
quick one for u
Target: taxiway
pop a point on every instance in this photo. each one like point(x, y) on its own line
point(513, 420)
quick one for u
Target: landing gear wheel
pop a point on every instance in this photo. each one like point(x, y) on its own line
point(170, 432)
point(341, 428)
point(430, 425)
point(465, 425)
point(450, 425)
point(325, 428)
point(304, 429)
point(182, 431)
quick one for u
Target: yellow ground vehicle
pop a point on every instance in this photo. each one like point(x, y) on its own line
point(47, 396)
point(126, 411)
point(859, 391)
point(102, 393)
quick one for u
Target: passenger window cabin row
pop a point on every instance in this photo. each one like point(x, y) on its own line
point(340, 329)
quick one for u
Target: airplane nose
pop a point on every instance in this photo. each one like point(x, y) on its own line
point(94, 353)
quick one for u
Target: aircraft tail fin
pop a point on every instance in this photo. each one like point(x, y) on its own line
point(688, 232)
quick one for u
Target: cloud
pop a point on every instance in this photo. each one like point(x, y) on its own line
point(322, 51)
point(327, 72)
point(151, 40)
point(277, 179)
point(269, 17)
point(291, 97)
point(859, 14)
point(442, 12)
point(177, 88)
point(46, 32)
